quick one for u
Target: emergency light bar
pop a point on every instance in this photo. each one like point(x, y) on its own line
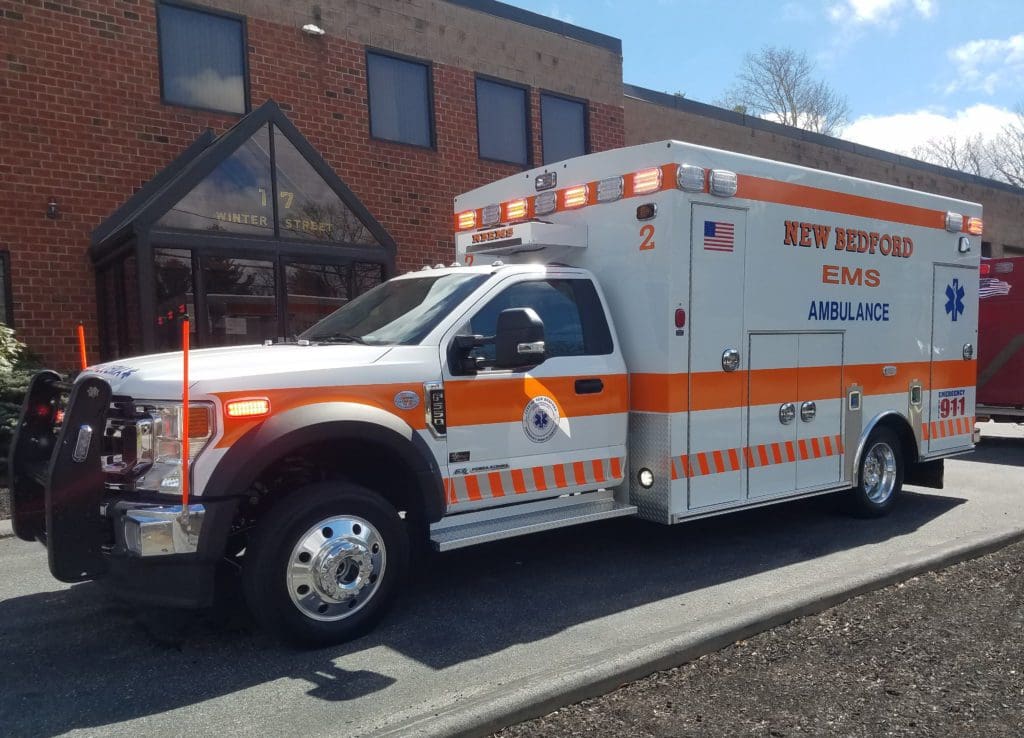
point(689, 178)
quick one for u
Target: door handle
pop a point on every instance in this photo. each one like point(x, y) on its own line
point(589, 386)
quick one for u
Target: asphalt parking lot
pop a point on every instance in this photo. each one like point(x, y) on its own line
point(486, 635)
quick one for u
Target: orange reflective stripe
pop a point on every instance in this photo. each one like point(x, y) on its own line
point(816, 448)
point(658, 393)
point(497, 489)
point(816, 198)
point(687, 469)
point(560, 476)
point(616, 469)
point(579, 473)
point(518, 481)
point(776, 453)
point(803, 450)
point(717, 390)
point(484, 400)
point(473, 488)
point(381, 396)
point(702, 462)
point(790, 454)
point(539, 482)
point(598, 466)
point(762, 454)
point(748, 455)
point(734, 459)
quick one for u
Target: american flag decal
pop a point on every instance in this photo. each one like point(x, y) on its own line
point(719, 236)
point(990, 287)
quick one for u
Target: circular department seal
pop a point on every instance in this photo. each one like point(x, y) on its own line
point(540, 419)
point(407, 400)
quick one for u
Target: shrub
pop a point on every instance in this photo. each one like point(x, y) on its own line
point(17, 365)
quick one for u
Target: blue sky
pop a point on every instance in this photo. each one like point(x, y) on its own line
point(910, 69)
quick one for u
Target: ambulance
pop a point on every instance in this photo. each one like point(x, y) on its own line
point(664, 331)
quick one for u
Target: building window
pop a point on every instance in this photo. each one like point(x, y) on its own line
point(502, 122)
point(563, 128)
point(400, 103)
point(6, 303)
point(202, 59)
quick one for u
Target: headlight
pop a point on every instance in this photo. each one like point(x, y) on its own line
point(168, 423)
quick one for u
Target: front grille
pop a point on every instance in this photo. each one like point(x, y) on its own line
point(128, 442)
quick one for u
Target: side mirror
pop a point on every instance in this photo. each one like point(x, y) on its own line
point(519, 339)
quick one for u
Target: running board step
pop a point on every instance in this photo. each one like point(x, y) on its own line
point(468, 529)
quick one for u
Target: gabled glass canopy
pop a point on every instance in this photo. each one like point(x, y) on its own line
point(251, 233)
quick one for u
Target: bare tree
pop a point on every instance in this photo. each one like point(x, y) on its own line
point(1006, 151)
point(967, 154)
point(779, 84)
point(999, 157)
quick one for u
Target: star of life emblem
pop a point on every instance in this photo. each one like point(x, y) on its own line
point(540, 419)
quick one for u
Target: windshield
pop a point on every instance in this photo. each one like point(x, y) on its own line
point(402, 311)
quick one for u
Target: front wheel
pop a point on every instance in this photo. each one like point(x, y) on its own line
point(323, 566)
point(880, 477)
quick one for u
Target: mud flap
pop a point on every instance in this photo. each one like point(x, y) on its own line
point(75, 530)
point(926, 474)
point(29, 460)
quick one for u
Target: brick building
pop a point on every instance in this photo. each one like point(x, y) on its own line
point(99, 97)
point(258, 162)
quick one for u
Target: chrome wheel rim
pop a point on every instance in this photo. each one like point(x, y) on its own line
point(879, 473)
point(336, 568)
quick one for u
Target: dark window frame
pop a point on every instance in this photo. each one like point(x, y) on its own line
point(5, 264)
point(568, 98)
point(528, 122)
point(184, 5)
point(431, 115)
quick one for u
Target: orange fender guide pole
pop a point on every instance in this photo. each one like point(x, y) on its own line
point(81, 346)
point(184, 412)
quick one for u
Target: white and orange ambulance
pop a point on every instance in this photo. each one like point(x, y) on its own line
point(664, 331)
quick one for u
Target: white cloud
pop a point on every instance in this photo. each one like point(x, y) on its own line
point(556, 12)
point(988, 63)
point(878, 12)
point(901, 132)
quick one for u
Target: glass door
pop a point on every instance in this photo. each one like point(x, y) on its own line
point(241, 300)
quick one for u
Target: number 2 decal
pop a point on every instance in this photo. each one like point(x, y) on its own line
point(647, 232)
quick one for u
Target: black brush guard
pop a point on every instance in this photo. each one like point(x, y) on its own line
point(56, 476)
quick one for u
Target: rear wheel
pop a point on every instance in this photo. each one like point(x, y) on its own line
point(880, 477)
point(324, 565)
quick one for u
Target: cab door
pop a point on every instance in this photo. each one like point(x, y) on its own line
point(543, 431)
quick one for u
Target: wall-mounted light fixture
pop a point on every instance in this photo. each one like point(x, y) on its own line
point(314, 29)
point(52, 209)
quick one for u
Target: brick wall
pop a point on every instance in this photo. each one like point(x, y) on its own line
point(1003, 209)
point(83, 123)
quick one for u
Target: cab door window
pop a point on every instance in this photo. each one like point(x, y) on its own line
point(574, 322)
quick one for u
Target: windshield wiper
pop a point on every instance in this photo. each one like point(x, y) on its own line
point(339, 338)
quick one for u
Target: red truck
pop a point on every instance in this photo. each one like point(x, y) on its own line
point(1001, 340)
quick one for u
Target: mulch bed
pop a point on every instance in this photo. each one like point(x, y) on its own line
point(941, 654)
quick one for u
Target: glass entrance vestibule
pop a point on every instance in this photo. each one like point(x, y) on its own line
point(251, 234)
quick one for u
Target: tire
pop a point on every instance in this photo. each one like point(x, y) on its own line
point(879, 475)
point(323, 566)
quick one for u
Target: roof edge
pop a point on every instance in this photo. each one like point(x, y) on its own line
point(751, 121)
point(543, 22)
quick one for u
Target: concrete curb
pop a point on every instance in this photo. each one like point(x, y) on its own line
point(541, 694)
point(6, 531)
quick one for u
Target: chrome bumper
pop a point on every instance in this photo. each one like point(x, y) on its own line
point(161, 531)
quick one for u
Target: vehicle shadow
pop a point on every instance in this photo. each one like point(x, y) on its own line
point(1006, 450)
point(75, 659)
